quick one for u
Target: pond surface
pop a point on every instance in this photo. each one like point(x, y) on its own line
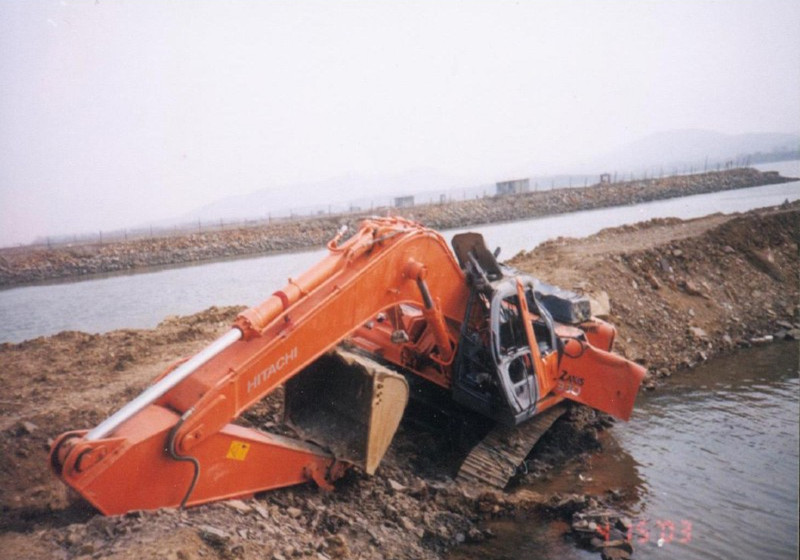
point(709, 463)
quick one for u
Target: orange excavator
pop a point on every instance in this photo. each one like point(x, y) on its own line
point(388, 312)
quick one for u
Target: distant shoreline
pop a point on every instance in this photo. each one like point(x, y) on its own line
point(35, 265)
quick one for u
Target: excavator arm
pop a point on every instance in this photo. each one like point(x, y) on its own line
point(396, 294)
point(176, 444)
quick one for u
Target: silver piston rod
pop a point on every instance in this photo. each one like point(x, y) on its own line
point(149, 395)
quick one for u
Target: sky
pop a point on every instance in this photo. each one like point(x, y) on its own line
point(116, 114)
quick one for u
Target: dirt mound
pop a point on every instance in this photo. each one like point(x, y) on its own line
point(682, 292)
point(74, 380)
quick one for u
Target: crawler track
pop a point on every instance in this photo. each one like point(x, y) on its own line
point(496, 458)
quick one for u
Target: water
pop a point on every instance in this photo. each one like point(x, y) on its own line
point(142, 300)
point(709, 464)
point(718, 455)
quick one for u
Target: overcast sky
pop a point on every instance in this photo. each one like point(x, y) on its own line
point(114, 114)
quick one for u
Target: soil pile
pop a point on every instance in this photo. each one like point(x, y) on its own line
point(679, 292)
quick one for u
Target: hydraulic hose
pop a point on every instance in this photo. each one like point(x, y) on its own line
point(170, 448)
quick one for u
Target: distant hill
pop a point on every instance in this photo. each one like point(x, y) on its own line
point(676, 149)
point(656, 154)
point(338, 194)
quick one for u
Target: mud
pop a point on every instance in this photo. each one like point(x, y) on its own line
point(26, 265)
point(679, 292)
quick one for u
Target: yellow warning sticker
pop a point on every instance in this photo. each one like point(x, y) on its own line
point(238, 450)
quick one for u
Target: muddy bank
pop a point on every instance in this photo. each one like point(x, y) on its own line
point(28, 265)
point(678, 291)
point(681, 292)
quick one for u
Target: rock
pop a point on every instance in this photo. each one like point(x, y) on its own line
point(27, 428)
point(653, 281)
point(475, 535)
point(621, 544)
point(615, 554)
point(693, 289)
point(395, 486)
point(294, 512)
point(761, 340)
point(213, 535)
point(239, 506)
point(374, 537)
point(566, 504)
point(600, 304)
point(727, 340)
point(407, 524)
point(420, 490)
point(581, 525)
point(698, 333)
point(336, 546)
point(75, 535)
point(261, 510)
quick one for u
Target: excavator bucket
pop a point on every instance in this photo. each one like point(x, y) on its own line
point(349, 404)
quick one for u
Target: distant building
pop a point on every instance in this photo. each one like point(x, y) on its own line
point(404, 202)
point(605, 179)
point(513, 187)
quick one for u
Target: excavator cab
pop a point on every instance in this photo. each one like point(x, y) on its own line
point(496, 368)
point(500, 369)
point(523, 341)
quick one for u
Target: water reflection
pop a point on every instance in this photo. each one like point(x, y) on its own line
point(719, 449)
